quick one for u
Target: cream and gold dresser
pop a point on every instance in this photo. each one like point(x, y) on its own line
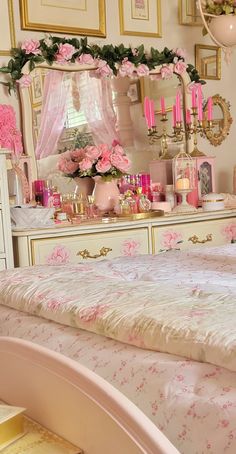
point(94, 241)
point(6, 254)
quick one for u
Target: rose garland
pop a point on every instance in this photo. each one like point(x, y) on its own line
point(108, 59)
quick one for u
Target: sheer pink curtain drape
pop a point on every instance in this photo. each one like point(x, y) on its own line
point(53, 113)
point(96, 102)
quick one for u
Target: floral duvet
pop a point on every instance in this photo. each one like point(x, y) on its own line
point(183, 304)
point(151, 302)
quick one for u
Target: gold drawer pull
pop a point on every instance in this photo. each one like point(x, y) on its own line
point(85, 254)
point(194, 239)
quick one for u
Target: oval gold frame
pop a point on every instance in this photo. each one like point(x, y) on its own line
point(215, 138)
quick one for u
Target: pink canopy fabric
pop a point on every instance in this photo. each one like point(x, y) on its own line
point(53, 114)
point(96, 102)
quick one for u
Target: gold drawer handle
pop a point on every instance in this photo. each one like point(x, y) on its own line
point(85, 254)
point(194, 239)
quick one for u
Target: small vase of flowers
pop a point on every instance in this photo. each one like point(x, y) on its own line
point(104, 164)
point(221, 20)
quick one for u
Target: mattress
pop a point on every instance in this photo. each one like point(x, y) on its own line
point(193, 403)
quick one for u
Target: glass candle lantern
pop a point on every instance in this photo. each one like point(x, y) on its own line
point(184, 180)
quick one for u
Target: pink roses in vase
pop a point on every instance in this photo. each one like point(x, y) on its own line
point(108, 162)
point(105, 164)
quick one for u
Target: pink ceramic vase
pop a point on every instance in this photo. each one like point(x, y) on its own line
point(84, 186)
point(106, 194)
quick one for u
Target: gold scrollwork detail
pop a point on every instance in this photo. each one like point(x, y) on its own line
point(194, 239)
point(85, 254)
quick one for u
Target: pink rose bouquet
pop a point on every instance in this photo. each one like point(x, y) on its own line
point(108, 162)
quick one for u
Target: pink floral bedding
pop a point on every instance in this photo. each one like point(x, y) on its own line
point(193, 403)
point(189, 310)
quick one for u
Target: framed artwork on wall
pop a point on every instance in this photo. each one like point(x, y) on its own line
point(188, 13)
point(140, 17)
point(208, 61)
point(7, 29)
point(78, 17)
point(134, 92)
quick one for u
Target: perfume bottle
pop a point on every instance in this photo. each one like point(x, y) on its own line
point(144, 204)
point(48, 194)
point(91, 208)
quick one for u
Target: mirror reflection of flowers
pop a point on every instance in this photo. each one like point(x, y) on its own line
point(108, 162)
point(219, 7)
point(10, 136)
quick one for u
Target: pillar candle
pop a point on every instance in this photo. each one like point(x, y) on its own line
point(182, 183)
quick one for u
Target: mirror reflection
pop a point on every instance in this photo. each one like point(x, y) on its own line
point(73, 109)
point(221, 120)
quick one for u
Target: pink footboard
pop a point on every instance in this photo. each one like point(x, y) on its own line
point(74, 402)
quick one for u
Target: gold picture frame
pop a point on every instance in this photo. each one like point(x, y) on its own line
point(140, 18)
point(76, 17)
point(188, 13)
point(134, 92)
point(7, 28)
point(208, 61)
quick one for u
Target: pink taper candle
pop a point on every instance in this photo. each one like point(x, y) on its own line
point(188, 117)
point(147, 111)
point(174, 116)
point(209, 109)
point(178, 108)
point(199, 101)
point(194, 100)
point(152, 113)
point(163, 107)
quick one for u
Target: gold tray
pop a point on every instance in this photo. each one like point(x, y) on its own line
point(146, 215)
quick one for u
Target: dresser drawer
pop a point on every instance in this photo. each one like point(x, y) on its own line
point(2, 248)
point(184, 236)
point(75, 248)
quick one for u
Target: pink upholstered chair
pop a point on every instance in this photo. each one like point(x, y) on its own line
point(74, 402)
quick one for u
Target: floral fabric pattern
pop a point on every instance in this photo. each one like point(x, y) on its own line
point(193, 403)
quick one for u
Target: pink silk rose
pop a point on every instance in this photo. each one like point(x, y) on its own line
point(104, 165)
point(65, 52)
point(93, 152)
point(180, 67)
point(31, 46)
point(142, 70)
point(127, 68)
point(85, 164)
point(166, 72)
point(180, 52)
point(103, 69)
point(85, 59)
point(121, 162)
point(67, 166)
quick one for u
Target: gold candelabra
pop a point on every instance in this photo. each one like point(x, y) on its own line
point(181, 130)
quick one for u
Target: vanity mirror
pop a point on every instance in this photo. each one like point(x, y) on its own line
point(221, 120)
point(57, 73)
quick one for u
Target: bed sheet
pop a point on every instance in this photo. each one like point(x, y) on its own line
point(193, 403)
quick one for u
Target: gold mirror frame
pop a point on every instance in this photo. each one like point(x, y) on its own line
point(214, 138)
